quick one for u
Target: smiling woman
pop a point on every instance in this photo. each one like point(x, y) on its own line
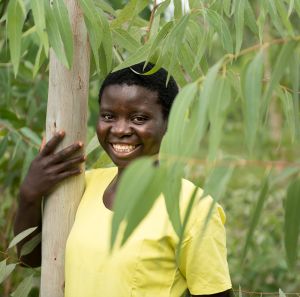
point(131, 123)
point(133, 119)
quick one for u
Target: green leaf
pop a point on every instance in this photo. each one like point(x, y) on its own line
point(275, 17)
point(39, 60)
point(62, 18)
point(106, 46)
point(125, 40)
point(28, 133)
point(239, 23)
point(137, 57)
point(227, 7)
point(144, 203)
point(297, 7)
point(284, 16)
point(30, 245)
point(177, 9)
point(92, 145)
point(159, 38)
point(216, 182)
point(256, 214)
point(105, 7)
point(132, 9)
point(24, 287)
point(94, 27)
point(5, 270)
point(54, 34)
point(291, 7)
point(292, 223)
point(221, 28)
point(261, 23)
point(172, 142)
point(252, 89)
point(289, 112)
point(15, 21)
point(295, 75)
point(201, 113)
point(21, 236)
point(3, 146)
point(38, 11)
point(250, 18)
point(185, 220)
point(280, 65)
point(215, 186)
point(217, 108)
point(130, 191)
point(173, 179)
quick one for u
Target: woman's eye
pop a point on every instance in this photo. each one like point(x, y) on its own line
point(139, 119)
point(107, 117)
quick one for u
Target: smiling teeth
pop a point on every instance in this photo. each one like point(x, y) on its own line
point(123, 148)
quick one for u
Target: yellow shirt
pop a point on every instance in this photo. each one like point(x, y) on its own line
point(146, 265)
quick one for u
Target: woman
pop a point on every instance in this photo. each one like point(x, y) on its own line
point(133, 118)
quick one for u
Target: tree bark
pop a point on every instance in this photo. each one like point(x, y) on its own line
point(66, 110)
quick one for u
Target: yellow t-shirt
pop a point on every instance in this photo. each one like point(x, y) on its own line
point(146, 265)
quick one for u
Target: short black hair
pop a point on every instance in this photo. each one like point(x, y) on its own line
point(154, 82)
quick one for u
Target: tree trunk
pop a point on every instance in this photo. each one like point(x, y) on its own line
point(67, 110)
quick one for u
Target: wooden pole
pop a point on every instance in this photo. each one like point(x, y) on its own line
point(66, 110)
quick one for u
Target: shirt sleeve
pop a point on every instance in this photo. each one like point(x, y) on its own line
point(203, 254)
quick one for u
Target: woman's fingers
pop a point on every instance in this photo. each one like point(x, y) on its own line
point(68, 165)
point(65, 174)
point(66, 153)
point(52, 144)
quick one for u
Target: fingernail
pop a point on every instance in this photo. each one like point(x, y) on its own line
point(80, 144)
point(84, 158)
point(61, 132)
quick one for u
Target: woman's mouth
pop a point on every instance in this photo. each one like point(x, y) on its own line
point(123, 148)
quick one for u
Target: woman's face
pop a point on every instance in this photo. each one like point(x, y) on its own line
point(130, 124)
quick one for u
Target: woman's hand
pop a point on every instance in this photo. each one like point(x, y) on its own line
point(49, 168)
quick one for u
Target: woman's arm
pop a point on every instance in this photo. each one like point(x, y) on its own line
point(45, 172)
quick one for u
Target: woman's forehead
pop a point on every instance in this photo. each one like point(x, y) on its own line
point(118, 94)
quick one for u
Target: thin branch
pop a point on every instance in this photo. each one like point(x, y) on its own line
point(148, 30)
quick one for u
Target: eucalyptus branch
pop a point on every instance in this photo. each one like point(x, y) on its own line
point(264, 45)
point(148, 30)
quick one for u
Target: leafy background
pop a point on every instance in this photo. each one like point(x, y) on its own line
point(237, 63)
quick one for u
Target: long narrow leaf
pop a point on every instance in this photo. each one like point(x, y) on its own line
point(15, 21)
point(24, 287)
point(281, 63)
point(5, 270)
point(54, 34)
point(292, 223)
point(252, 88)
point(38, 11)
point(239, 23)
point(21, 236)
point(256, 214)
point(130, 190)
point(65, 30)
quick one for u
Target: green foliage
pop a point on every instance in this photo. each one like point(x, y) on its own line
point(237, 116)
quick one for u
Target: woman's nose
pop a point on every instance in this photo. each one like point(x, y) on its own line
point(121, 128)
